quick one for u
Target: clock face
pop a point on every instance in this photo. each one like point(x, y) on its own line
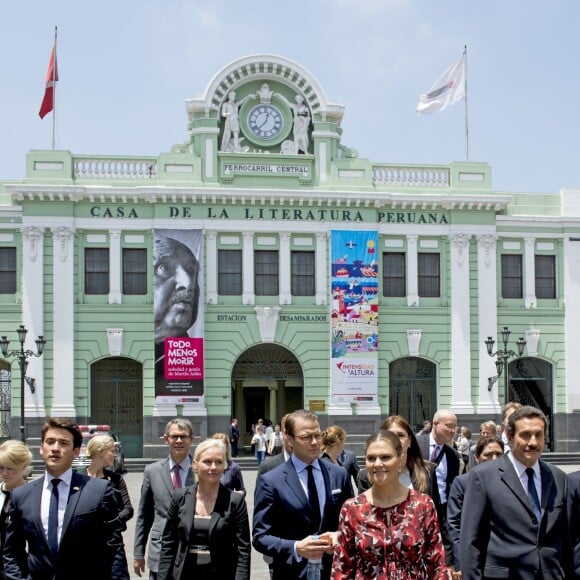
point(265, 121)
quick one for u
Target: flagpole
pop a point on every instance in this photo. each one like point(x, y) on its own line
point(466, 115)
point(54, 69)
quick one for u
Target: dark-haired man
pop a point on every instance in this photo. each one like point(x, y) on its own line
point(297, 501)
point(515, 526)
point(58, 520)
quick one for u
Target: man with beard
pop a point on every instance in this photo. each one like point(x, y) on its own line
point(176, 299)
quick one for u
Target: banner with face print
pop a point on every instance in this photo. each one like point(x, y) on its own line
point(178, 316)
point(354, 315)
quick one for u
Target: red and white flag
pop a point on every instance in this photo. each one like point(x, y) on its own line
point(51, 78)
point(447, 90)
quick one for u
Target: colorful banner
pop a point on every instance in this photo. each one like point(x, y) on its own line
point(178, 316)
point(355, 311)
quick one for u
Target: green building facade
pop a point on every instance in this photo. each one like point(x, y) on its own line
point(265, 177)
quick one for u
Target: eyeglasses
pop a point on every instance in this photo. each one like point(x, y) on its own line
point(178, 437)
point(308, 438)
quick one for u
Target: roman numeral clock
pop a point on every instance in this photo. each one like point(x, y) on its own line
point(266, 119)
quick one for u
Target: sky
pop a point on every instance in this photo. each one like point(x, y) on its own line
point(127, 67)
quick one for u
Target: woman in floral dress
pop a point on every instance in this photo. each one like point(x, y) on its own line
point(389, 531)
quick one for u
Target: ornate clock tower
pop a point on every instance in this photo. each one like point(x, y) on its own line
point(265, 109)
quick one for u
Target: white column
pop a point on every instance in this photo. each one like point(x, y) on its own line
point(33, 315)
point(211, 267)
point(571, 257)
point(530, 272)
point(115, 295)
point(285, 272)
point(248, 268)
point(412, 272)
point(488, 403)
point(63, 325)
point(321, 266)
point(460, 325)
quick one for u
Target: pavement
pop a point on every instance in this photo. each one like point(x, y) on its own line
point(259, 569)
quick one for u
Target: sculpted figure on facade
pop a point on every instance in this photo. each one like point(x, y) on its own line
point(301, 123)
point(231, 135)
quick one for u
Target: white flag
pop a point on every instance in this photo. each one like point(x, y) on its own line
point(447, 90)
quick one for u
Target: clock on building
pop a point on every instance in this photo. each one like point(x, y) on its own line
point(265, 121)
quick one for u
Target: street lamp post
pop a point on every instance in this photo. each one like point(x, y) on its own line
point(22, 356)
point(502, 357)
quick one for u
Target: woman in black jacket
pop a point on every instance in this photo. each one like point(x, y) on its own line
point(207, 534)
point(101, 451)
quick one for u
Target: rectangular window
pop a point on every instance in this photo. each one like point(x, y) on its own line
point(511, 276)
point(266, 272)
point(96, 270)
point(302, 274)
point(135, 271)
point(545, 276)
point(429, 275)
point(7, 270)
point(394, 275)
point(230, 272)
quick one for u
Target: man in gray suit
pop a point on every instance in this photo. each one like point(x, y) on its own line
point(160, 479)
point(514, 521)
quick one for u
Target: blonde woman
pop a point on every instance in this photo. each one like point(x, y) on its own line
point(15, 459)
point(101, 451)
point(207, 534)
point(232, 476)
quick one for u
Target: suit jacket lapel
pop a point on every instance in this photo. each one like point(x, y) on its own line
point(36, 500)
point(294, 484)
point(76, 485)
point(165, 475)
point(510, 477)
point(547, 485)
point(327, 488)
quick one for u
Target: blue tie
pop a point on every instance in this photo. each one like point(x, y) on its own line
point(533, 494)
point(313, 496)
point(53, 518)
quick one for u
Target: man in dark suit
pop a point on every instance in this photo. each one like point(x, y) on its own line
point(297, 501)
point(514, 521)
point(64, 525)
point(347, 459)
point(573, 505)
point(234, 435)
point(437, 447)
point(160, 479)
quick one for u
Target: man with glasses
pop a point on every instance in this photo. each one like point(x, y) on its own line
point(297, 504)
point(160, 479)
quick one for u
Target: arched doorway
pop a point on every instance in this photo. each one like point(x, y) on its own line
point(267, 381)
point(413, 389)
point(530, 383)
point(117, 400)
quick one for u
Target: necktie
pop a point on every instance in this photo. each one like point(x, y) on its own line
point(533, 494)
point(435, 453)
point(53, 518)
point(176, 477)
point(313, 495)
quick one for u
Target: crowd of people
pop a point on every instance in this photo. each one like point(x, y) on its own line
point(432, 505)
